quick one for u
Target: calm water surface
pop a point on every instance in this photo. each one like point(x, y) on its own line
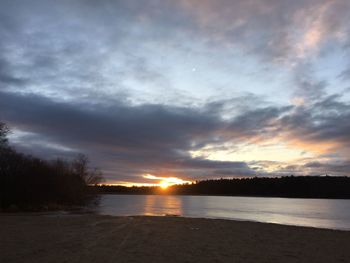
point(322, 213)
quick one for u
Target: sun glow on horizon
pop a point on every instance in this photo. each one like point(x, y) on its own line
point(165, 182)
point(162, 182)
point(164, 185)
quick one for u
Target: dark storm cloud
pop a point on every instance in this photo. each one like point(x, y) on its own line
point(145, 137)
point(322, 121)
point(157, 124)
point(257, 122)
point(151, 138)
point(7, 77)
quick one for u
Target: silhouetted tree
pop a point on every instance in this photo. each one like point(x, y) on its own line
point(288, 186)
point(4, 131)
point(80, 168)
point(29, 182)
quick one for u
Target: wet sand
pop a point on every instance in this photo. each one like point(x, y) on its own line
point(92, 238)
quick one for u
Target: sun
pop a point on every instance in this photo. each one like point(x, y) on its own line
point(164, 185)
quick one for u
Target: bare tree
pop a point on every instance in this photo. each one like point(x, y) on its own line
point(88, 176)
point(4, 131)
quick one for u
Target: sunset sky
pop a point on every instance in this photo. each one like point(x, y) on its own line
point(189, 89)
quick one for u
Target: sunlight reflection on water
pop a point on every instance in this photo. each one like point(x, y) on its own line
point(322, 213)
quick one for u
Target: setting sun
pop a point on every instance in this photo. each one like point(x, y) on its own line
point(164, 185)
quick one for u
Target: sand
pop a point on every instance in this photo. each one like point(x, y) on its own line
point(92, 238)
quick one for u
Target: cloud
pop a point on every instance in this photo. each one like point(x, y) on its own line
point(146, 138)
point(339, 168)
point(120, 46)
point(130, 140)
point(96, 48)
point(109, 79)
point(345, 74)
point(276, 31)
point(7, 78)
point(320, 125)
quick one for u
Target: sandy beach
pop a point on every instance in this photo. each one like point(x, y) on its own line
point(92, 238)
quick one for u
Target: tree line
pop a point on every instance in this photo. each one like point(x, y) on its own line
point(32, 183)
point(287, 186)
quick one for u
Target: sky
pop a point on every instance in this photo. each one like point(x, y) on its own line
point(184, 90)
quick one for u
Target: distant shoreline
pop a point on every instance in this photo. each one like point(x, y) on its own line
point(315, 187)
point(95, 238)
point(256, 196)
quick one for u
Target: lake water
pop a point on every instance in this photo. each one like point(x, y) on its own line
point(321, 213)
